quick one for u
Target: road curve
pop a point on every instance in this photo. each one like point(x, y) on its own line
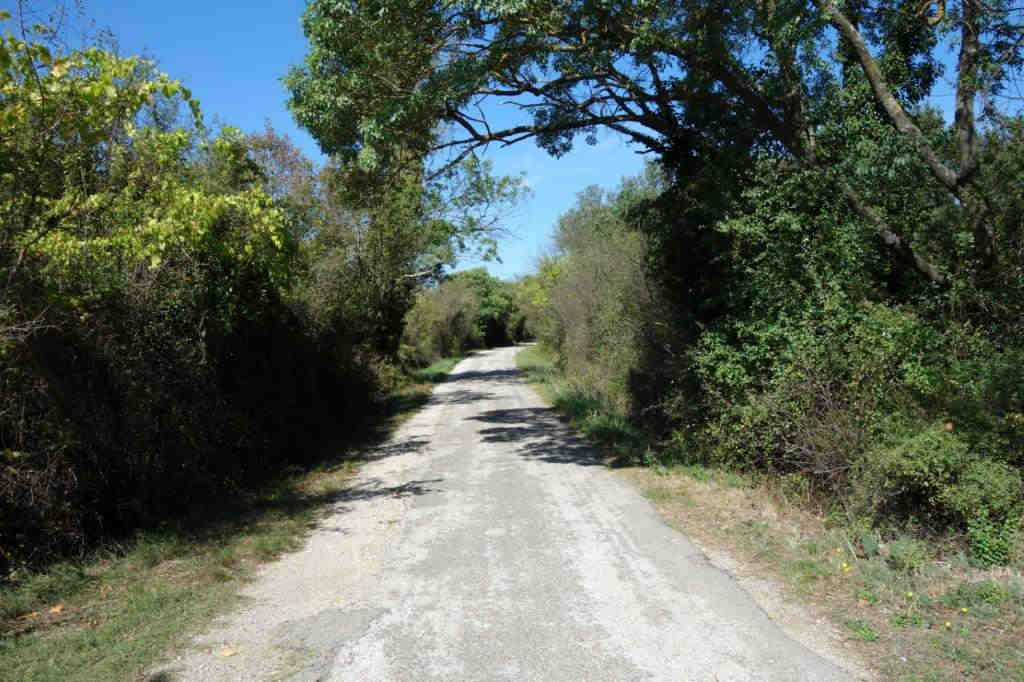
point(485, 542)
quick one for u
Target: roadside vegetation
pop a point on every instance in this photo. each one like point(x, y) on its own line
point(914, 610)
point(815, 288)
point(864, 458)
point(111, 614)
point(189, 314)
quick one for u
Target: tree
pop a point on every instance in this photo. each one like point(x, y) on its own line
point(694, 82)
point(495, 308)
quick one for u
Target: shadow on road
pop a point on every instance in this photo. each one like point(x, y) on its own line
point(538, 434)
point(499, 375)
point(458, 397)
point(372, 489)
point(413, 445)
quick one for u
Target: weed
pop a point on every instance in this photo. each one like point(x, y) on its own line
point(908, 555)
point(697, 472)
point(38, 590)
point(152, 549)
point(876, 574)
point(658, 494)
point(864, 632)
point(808, 570)
point(867, 596)
point(970, 595)
point(909, 620)
point(868, 541)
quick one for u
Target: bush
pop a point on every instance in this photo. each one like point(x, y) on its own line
point(991, 541)
point(913, 476)
point(934, 473)
point(441, 324)
point(155, 348)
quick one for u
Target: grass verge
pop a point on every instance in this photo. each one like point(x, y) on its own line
point(111, 616)
point(913, 613)
point(910, 616)
point(619, 441)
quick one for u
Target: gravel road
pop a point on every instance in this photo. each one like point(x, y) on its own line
point(485, 542)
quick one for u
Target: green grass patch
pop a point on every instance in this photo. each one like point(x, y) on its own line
point(706, 474)
point(113, 615)
point(659, 494)
point(862, 630)
point(437, 371)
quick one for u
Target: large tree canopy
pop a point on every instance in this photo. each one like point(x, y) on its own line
point(685, 79)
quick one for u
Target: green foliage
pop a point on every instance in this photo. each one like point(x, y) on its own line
point(908, 555)
point(991, 540)
point(971, 595)
point(917, 472)
point(864, 632)
point(467, 310)
point(182, 309)
point(441, 324)
point(495, 314)
point(590, 303)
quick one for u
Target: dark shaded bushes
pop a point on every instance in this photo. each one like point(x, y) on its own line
point(182, 313)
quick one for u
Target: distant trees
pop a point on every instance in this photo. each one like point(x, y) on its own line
point(466, 310)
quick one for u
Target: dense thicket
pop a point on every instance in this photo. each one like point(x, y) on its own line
point(466, 310)
point(833, 265)
point(183, 311)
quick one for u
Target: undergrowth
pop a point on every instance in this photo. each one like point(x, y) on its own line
point(111, 614)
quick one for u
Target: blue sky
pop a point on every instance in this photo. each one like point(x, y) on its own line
point(232, 55)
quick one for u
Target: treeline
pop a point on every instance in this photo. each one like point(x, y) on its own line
point(184, 311)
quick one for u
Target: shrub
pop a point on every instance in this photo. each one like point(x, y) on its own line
point(914, 475)
point(907, 555)
point(984, 489)
point(968, 595)
point(991, 541)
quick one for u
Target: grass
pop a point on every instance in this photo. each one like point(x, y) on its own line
point(909, 612)
point(620, 442)
point(437, 371)
point(113, 615)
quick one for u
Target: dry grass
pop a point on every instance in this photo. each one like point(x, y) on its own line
point(110, 618)
point(909, 616)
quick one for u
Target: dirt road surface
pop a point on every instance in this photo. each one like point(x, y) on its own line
point(486, 542)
